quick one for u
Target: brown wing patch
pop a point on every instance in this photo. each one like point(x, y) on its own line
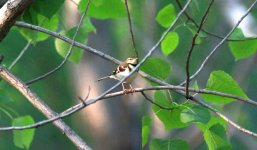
point(119, 69)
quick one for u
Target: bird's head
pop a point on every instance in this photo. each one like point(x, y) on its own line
point(132, 61)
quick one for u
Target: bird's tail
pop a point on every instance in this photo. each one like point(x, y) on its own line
point(102, 78)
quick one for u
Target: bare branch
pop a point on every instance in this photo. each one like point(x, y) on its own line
point(220, 43)
point(204, 18)
point(20, 55)
point(67, 55)
point(224, 117)
point(42, 107)
point(68, 40)
point(178, 89)
point(197, 100)
point(130, 29)
point(11, 10)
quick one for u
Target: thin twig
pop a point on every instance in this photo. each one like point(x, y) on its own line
point(220, 43)
point(204, 18)
point(130, 29)
point(67, 55)
point(20, 55)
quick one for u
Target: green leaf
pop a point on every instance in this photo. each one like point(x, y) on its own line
point(87, 26)
point(170, 43)
point(214, 120)
point(37, 19)
point(195, 114)
point(169, 118)
point(63, 47)
point(156, 67)
point(160, 144)
point(193, 29)
point(103, 9)
point(222, 82)
point(237, 34)
point(242, 49)
point(216, 138)
point(146, 129)
point(23, 138)
point(166, 16)
point(47, 8)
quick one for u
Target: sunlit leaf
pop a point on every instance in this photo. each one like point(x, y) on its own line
point(82, 35)
point(242, 49)
point(37, 19)
point(195, 114)
point(170, 118)
point(23, 138)
point(216, 138)
point(156, 67)
point(213, 120)
point(222, 82)
point(166, 15)
point(170, 43)
point(103, 9)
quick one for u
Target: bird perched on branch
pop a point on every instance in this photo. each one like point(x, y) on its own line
point(123, 70)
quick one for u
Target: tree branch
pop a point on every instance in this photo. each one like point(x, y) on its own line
point(131, 30)
point(220, 43)
point(85, 103)
point(11, 10)
point(20, 55)
point(204, 18)
point(67, 55)
point(42, 107)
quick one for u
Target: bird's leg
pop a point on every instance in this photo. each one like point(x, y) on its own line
point(132, 90)
point(125, 91)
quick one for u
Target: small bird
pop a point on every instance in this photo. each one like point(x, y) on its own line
point(124, 70)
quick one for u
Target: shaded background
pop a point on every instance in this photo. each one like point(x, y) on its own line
point(116, 123)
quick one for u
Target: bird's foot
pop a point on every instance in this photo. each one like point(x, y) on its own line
point(127, 91)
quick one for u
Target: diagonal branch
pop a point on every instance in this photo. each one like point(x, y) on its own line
point(42, 107)
point(67, 55)
point(20, 55)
